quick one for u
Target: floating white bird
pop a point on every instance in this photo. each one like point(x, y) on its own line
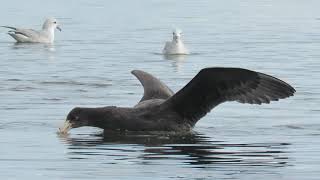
point(46, 35)
point(176, 46)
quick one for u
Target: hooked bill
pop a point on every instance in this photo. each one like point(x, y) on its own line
point(66, 127)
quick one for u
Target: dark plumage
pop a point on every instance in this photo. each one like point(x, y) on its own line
point(162, 110)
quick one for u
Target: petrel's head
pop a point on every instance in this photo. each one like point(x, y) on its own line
point(51, 23)
point(77, 117)
point(177, 33)
point(95, 117)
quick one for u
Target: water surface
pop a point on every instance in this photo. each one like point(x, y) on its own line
point(90, 64)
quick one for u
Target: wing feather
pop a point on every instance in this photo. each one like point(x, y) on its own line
point(212, 86)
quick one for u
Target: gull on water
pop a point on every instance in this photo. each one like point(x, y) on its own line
point(176, 46)
point(46, 35)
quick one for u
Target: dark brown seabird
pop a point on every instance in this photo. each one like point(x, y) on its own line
point(160, 109)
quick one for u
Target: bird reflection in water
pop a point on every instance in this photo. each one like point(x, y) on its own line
point(191, 149)
point(176, 60)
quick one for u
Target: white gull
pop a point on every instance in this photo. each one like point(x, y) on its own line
point(46, 35)
point(176, 46)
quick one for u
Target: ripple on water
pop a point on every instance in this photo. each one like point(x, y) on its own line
point(76, 83)
point(192, 149)
point(14, 80)
point(25, 125)
point(22, 88)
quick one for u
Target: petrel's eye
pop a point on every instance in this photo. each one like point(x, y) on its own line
point(55, 22)
point(73, 117)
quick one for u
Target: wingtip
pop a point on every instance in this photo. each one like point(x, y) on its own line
point(292, 90)
point(10, 27)
point(285, 86)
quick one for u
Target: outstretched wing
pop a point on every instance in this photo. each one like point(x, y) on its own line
point(212, 86)
point(153, 87)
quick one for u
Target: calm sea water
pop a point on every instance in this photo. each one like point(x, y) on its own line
point(90, 64)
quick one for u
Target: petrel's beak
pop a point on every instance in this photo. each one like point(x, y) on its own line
point(66, 127)
point(59, 28)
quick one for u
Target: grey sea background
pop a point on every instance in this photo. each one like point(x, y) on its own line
point(89, 65)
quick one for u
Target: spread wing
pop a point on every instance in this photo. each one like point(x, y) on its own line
point(212, 86)
point(153, 87)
